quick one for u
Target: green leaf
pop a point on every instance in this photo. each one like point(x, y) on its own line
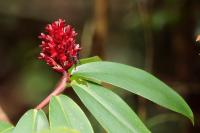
point(32, 121)
point(10, 130)
point(90, 59)
point(59, 130)
point(64, 112)
point(5, 127)
point(136, 81)
point(86, 60)
point(162, 118)
point(109, 109)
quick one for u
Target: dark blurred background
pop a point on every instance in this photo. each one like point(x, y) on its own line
point(155, 35)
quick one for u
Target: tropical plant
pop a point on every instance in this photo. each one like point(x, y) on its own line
point(87, 78)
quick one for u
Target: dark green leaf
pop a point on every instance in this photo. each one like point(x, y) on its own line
point(162, 118)
point(109, 109)
point(64, 112)
point(136, 81)
point(90, 59)
point(32, 121)
point(86, 60)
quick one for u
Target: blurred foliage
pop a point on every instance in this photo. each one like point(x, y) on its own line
point(37, 81)
point(159, 16)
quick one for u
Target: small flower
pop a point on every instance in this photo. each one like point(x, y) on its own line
point(58, 47)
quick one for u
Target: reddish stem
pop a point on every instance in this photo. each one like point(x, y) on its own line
point(59, 89)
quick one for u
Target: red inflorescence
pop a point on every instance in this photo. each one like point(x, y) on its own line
point(58, 47)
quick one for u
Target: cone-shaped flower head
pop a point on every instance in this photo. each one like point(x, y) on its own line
point(58, 47)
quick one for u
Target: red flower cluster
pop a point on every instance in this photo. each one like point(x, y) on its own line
point(58, 47)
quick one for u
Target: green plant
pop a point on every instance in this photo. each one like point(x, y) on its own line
point(87, 78)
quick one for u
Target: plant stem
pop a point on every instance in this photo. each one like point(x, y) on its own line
point(59, 89)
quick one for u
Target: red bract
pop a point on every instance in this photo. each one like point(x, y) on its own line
point(58, 47)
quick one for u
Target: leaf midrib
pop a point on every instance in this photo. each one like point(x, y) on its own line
point(34, 120)
point(4, 131)
point(172, 106)
point(65, 115)
point(114, 114)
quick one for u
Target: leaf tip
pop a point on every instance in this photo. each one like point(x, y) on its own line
point(192, 120)
point(191, 117)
